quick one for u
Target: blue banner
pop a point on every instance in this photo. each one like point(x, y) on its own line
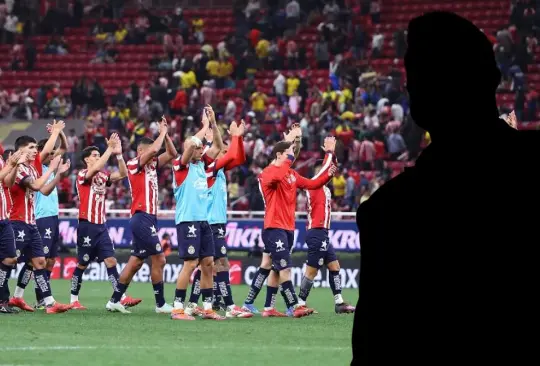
point(242, 235)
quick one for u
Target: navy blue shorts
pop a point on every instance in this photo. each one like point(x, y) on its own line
point(93, 243)
point(220, 244)
point(195, 240)
point(320, 250)
point(145, 235)
point(48, 229)
point(7, 240)
point(27, 241)
point(278, 243)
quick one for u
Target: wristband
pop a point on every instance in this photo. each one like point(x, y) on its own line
point(120, 157)
point(196, 140)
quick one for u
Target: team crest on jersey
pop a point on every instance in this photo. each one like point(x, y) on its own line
point(18, 253)
point(86, 257)
point(223, 250)
point(191, 249)
point(46, 250)
point(283, 263)
point(321, 261)
point(291, 179)
point(158, 247)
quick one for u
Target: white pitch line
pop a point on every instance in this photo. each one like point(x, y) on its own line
point(205, 347)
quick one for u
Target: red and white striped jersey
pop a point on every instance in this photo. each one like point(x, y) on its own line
point(23, 197)
point(92, 196)
point(319, 202)
point(4, 203)
point(144, 186)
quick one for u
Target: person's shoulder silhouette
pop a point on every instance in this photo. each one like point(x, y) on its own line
point(448, 248)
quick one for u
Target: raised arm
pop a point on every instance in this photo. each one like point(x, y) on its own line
point(236, 131)
point(56, 128)
point(156, 146)
point(217, 140)
point(295, 136)
point(11, 163)
point(100, 164)
point(49, 187)
point(63, 144)
point(327, 170)
point(14, 160)
point(189, 148)
point(37, 184)
point(122, 168)
point(170, 152)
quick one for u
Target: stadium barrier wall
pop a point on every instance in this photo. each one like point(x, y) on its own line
point(241, 272)
point(242, 234)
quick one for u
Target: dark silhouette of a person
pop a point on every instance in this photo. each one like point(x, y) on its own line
point(449, 248)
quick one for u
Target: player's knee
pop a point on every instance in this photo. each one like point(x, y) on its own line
point(311, 272)
point(224, 263)
point(110, 262)
point(39, 263)
point(9, 261)
point(266, 262)
point(50, 263)
point(334, 266)
point(190, 264)
point(158, 261)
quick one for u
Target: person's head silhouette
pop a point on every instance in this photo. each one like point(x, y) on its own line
point(452, 75)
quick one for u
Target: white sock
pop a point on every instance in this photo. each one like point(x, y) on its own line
point(231, 307)
point(207, 305)
point(178, 305)
point(123, 296)
point(19, 292)
point(267, 309)
point(49, 300)
point(74, 298)
point(301, 302)
point(338, 299)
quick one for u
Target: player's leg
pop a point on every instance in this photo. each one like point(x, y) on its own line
point(24, 255)
point(158, 263)
point(260, 276)
point(192, 307)
point(223, 286)
point(40, 274)
point(341, 307)
point(105, 252)
point(281, 260)
point(207, 272)
point(188, 250)
point(317, 246)
point(48, 230)
point(8, 259)
point(272, 287)
point(86, 252)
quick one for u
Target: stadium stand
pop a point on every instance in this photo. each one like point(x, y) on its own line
point(343, 59)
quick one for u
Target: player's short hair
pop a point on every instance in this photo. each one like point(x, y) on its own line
point(24, 141)
point(145, 141)
point(6, 154)
point(87, 151)
point(41, 144)
point(280, 147)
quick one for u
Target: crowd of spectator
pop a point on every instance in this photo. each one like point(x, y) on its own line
point(366, 109)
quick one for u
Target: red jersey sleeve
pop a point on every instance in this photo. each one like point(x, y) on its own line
point(320, 179)
point(180, 170)
point(38, 165)
point(230, 156)
point(22, 175)
point(240, 157)
point(207, 160)
point(81, 177)
point(134, 166)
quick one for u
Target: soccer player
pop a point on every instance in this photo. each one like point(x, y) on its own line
point(195, 238)
point(320, 250)
point(278, 183)
point(47, 208)
point(93, 240)
point(8, 256)
point(28, 242)
point(217, 218)
point(143, 179)
point(264, 270)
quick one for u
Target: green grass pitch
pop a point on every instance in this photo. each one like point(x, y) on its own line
point(97, 337)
